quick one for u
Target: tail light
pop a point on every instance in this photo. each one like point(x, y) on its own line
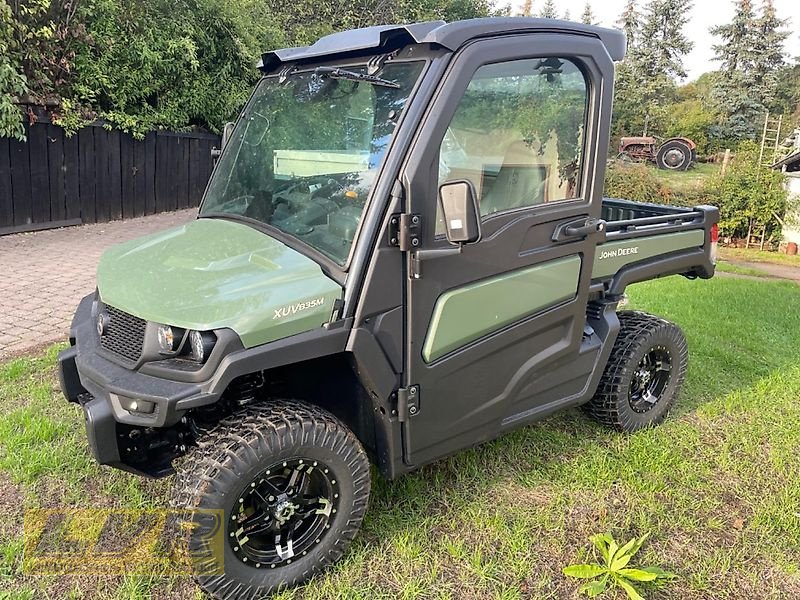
point(714, 242)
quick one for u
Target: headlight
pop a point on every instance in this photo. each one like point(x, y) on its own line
point(169, 338)
point(202, 343)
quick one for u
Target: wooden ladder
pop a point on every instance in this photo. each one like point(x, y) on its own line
point(770, 140)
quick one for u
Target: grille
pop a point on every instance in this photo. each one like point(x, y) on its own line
point(124, 334)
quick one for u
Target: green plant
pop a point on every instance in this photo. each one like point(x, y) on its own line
point(751, 198)
point(615, 570)
point(635, 182)
point(12, 82)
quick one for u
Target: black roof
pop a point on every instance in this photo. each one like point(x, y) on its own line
point(791, 162)
point(448, 35)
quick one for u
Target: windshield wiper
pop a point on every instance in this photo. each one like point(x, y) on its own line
point(339, 73)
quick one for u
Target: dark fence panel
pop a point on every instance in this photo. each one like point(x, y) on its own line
point(98, 175)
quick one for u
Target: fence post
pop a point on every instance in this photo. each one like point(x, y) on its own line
point(726, 161)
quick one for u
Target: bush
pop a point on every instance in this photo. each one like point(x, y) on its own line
point(692, 119)
point(751, 198)
point(141, 65)
point(635, 182)
point(12, 82)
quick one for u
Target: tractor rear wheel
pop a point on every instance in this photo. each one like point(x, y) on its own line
point(674, 155)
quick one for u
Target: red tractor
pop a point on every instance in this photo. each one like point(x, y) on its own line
point(676, 154)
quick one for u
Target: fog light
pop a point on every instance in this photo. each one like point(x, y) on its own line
point(136, 405)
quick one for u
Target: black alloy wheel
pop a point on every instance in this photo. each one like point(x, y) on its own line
point(283, 513)
point(644, 373)
point(650, 379)
point(290, 483)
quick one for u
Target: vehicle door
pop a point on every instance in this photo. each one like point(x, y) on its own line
point(494, 332)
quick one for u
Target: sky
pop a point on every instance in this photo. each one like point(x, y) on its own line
point(705, 14)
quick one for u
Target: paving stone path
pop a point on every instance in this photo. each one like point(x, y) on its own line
point(44, 274)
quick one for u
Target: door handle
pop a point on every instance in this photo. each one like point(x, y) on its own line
point(578, 228)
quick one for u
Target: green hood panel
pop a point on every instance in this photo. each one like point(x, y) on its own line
point(212, 274)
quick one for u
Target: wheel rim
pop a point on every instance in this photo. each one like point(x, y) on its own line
point(650, 379)
point(284, 512)
point(674, 158)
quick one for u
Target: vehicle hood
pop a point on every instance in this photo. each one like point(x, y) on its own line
point(212, 274)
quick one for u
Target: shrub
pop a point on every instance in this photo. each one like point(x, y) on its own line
point(12, 82)
point(635, 182)
point(751, 198)
point(692, 119)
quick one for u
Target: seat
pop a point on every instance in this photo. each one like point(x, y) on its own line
point(521, 181)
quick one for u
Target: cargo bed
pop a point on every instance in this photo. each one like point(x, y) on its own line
point(645, 240)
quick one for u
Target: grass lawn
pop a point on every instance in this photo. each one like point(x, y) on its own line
point(686, 182)
point(758, 256)
point(717, 486)
point(727, 267)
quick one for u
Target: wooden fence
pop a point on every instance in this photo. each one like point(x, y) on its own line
point(97, 175)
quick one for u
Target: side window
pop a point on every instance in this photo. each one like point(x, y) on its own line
point(517, 134)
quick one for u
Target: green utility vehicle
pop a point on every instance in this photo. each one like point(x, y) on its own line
point(403, 251)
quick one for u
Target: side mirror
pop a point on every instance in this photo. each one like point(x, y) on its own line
point(459, 205)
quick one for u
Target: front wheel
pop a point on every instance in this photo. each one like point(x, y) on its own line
point(291, 484)
point(644, 373)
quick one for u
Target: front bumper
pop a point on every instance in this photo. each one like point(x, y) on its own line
point(147, 443)
point(99, 385)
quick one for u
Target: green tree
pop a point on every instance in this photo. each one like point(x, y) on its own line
point(630, 21)
point(692, 119)
point(629, 79)
point(788, 93)
point(149, 64)
point(751, 198)
point(646, 78)
point(692, 114)
point(549, 10)
point(664, 43)
point(305, 21)
point(751, 57)
point(769, 53)
point(153, 64)
point(527, 8)
point(12, 82)
point(588, 17)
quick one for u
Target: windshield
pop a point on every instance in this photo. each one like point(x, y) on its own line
point(305, 153)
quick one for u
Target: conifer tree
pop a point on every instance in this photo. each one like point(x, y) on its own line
point(769, 56)
point(646, 78)
point(630, 21)
point(588, 17)
point(664, 43)
point(549, 10)
point(567, 15)
point(748, 63)
point(527, 8)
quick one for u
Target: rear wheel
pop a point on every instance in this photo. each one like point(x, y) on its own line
point(674, 155)
point(644, 373)
point(291, 484)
